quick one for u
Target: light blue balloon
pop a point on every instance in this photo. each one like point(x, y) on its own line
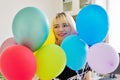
point(92, 24)
point(30, 27)
point(76, 52)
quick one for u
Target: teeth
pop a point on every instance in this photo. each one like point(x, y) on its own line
point(61, 34)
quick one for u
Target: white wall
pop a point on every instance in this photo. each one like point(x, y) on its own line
point(114, 33)
point(103, 3)
point(8, 9)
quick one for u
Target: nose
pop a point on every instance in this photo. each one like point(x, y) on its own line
point(61, 29)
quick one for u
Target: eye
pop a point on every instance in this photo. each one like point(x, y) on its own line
point(65, 25)
point(56, 26)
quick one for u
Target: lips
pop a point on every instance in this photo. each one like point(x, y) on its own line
point(62, 34)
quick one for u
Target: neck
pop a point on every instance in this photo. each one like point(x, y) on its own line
point(58, 42)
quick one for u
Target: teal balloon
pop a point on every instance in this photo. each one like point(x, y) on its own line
point(30, 27)
point(76, 52)
point(92, 24)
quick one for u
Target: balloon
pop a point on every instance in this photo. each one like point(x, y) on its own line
point(75, 50)
point(92, 24)
point(51, 38)
point(51, 61)
point(102, 58)
point(30, 27)
point(8, 42)
point(18, 63)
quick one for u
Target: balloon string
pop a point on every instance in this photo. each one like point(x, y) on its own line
point(77, 77)
point(82, 73)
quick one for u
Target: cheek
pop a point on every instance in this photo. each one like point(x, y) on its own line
point(55, 33)
point(68, 30)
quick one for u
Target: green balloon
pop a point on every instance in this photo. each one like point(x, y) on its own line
point(30, 27)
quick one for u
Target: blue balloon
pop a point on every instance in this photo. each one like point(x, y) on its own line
point(30, 27)
point(92, 24)
point(76, 51)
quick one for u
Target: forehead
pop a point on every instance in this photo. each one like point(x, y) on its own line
point(60, 19)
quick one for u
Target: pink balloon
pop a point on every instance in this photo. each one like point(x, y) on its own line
point(102, 58)
point(8, 42)
point(18, 63)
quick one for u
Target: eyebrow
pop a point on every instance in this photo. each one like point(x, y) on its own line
point(55, 24)
point(64, 23)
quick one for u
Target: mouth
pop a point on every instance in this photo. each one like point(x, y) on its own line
point(62, 34)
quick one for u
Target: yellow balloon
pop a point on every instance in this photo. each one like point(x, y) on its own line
point(51, 61)
point(51, 38)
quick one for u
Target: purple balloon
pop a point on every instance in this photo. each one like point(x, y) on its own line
point(102, 58)
point(8, 42)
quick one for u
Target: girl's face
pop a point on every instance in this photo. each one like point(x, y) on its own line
point(61, 28)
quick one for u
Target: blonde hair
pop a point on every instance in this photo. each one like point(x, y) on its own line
point(69, 19)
